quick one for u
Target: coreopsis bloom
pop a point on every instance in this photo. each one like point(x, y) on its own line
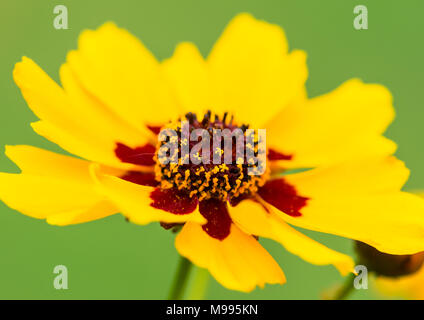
point(388, 265)
point(394, 275)
point(409, 286)
point(397, 276)
point(115, 98)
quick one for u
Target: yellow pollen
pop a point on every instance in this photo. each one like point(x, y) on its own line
point(222, 181)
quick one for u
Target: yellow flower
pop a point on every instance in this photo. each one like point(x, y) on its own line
point(408, 280)
point(115, 97)
point(409, 287)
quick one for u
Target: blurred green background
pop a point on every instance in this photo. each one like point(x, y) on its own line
point(113, 259)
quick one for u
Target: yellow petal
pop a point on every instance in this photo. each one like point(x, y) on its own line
point(92, 130)
point(409, 287)
point(188, 77)
point(364, 204)
point(39, 196)
point(68, 142)
point(117, 69)
point(97, 211)
point(36, 161)
point(392, 222)
point(100, 122)
point(347, 123)
point(238, 262)
point(253, 219)
point(366, 176)
point(253, 76)
point(419, 193)
point(134, 201)
point(50, 186)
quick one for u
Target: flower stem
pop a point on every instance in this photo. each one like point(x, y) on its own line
point(200, 284)
point(345, 289)
point(180, 279)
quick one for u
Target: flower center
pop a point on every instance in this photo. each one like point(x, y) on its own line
point(210, 158)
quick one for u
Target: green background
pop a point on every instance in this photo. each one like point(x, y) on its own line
point(113, 259)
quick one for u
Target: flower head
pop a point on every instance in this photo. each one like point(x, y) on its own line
point(396, 275)
point(388, 265)
point(115, 101)
point(409, 286)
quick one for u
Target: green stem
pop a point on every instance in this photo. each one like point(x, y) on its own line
point(345, 289)
point(200, 284)
point(180, 279)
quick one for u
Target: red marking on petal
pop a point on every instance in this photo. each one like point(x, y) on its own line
point(234, 201)
point(141, 178)
point(219, 221)
point(275, 155)
point(154, 129)
point(283, 196)
point(173, 201)
point(142, 156)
